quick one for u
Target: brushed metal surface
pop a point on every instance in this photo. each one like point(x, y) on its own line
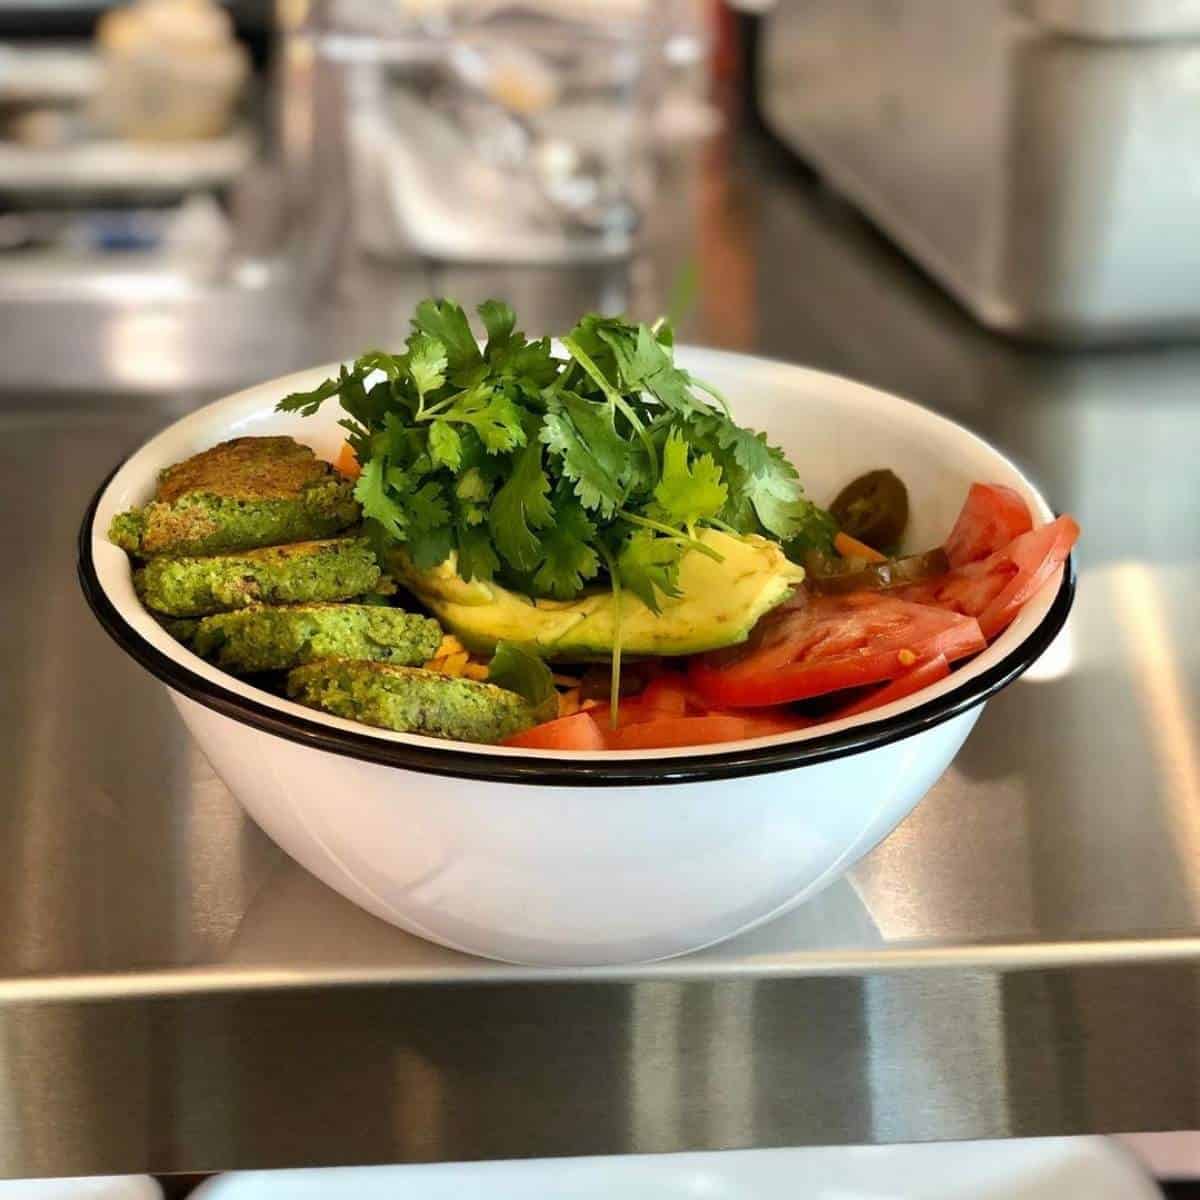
point(1020, 957)
point(1044, 180)
point(427, 1073)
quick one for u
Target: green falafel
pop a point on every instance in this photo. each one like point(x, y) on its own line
point(298, 574)
point(277, 639)
point(241, 494)
point(410, 700)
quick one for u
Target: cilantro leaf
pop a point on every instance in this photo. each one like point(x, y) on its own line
point(750, 449)
point(687, 493)
point(429, 547)
point(773, 488)
point(372, 493)
point(358, 437)
point(520, 670)
point(476, 556)
point(568, 559)
point(428, 534)
point(648, 565)
point(499, 320)
point(520, 507)
point(445, 446)
point(426, 363)
point(814, 529)
point(530, 365)
point(646, 365)
point(393, 366)
point(493, 415)
point(581, 435)
point(447, 323)
point(472, 485)
point(307, 403)
point(367, 406)
point(427, 508)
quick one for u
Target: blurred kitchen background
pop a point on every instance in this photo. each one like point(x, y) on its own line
point(196, 195)
point(988, 205)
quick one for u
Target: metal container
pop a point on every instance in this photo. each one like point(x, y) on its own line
point(1049, 182)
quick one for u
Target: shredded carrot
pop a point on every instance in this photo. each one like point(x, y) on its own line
point(849, 547)
point(346, 463)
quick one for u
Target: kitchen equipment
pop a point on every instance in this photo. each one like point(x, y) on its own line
point(1120, 19)
point(491, 132)
point(1048, 182)
point(569, 859)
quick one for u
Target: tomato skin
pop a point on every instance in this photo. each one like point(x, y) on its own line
point(992, 516)
point(994, 589)
point(833, 642)
point(577, 732)
point(664, 696)
point(1033, 572)
point(931, 671)
point(667, 733)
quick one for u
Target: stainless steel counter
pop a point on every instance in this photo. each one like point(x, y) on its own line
point(1021, 957)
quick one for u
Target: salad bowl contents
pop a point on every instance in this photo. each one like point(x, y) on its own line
point(545, 570)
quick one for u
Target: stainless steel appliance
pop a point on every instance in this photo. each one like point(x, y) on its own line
point(1040, 159)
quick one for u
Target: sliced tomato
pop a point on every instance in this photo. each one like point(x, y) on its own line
point(932, 670)
point(666, 695)
point(994, 589)
point(577, 732)
point(991, 517)
point(667, 732)
point(832, 642)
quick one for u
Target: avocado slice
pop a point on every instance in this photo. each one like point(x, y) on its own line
point(720, 604)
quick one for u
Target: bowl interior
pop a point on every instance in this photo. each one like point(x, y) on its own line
point(833, 429)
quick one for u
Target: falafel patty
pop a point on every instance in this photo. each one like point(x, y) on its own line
point(410, 700)
point(239, 495)
point(302, 573)
point(277, 639)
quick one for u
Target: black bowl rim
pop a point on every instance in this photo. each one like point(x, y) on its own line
point(537, 770)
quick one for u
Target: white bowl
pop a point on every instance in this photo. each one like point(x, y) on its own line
point(563, 858)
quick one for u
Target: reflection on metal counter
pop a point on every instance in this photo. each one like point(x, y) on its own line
point(1047, 181)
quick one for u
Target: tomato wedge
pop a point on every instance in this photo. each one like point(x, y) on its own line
point(991, 517)
point(933, 670)
point(994, 589)
point(577, 732)
point(668, 732)
point(832, 642)
point(664, 696)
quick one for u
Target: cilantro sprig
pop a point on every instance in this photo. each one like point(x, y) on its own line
point(552, 474)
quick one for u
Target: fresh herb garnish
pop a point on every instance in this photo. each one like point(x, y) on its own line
point(522, 671)
point(548, 474)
